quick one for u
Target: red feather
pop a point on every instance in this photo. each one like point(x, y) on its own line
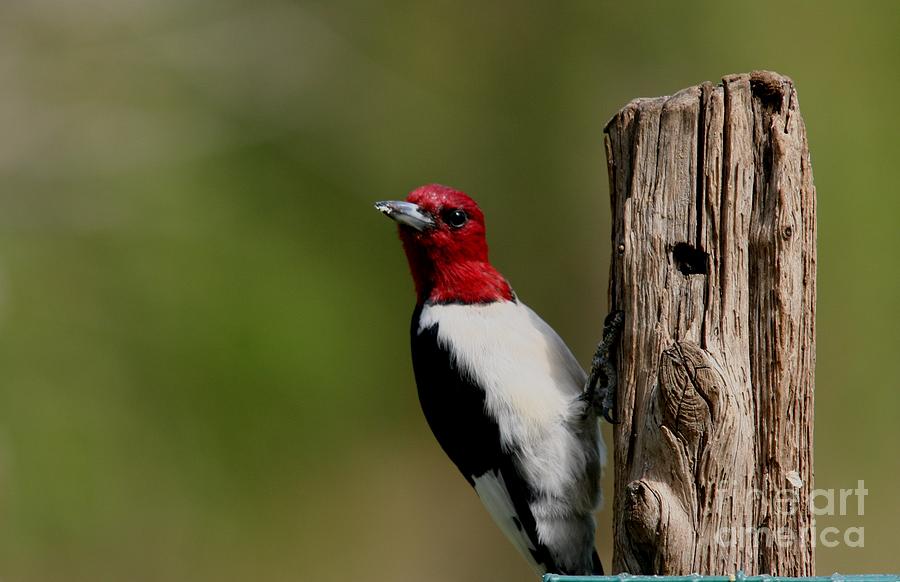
point(450, 265)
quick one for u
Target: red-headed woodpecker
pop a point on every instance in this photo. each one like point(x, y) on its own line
point(506, 399)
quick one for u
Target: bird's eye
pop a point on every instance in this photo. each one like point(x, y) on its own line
point(456, 217)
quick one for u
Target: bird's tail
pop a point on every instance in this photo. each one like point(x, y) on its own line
point(597, 565)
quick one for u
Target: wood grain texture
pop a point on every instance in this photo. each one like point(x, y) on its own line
point(714, 256)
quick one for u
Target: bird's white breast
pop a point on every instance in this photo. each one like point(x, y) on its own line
point(529, 376)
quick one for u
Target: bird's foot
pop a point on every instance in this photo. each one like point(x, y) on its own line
point(600, 391)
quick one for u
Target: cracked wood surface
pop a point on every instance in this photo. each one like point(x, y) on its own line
point(714, 257)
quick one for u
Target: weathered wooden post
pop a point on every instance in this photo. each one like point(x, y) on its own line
point(714, 264)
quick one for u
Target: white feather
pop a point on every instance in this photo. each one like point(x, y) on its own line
point(495, 496)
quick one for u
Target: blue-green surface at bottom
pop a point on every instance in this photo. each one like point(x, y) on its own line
point(738, 578)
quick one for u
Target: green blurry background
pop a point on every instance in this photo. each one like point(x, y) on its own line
point(203, 322)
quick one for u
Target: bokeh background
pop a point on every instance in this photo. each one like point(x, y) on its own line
point(203, 322)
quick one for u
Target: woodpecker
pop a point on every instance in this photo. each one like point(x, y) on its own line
point(504, 396)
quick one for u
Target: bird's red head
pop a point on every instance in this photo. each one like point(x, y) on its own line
point(443, 234)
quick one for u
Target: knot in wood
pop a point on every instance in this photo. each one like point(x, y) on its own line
point(689, 387)
point(642, 515)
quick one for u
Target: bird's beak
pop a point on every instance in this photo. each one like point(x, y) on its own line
point(406, 213)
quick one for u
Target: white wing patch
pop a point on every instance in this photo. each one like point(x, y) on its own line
point(492, 491)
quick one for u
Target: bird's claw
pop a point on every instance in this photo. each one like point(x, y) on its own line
point(606, 409)
point(601, 387)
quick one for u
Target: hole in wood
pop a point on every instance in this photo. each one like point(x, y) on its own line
point(769, 89)
point(690, 260)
